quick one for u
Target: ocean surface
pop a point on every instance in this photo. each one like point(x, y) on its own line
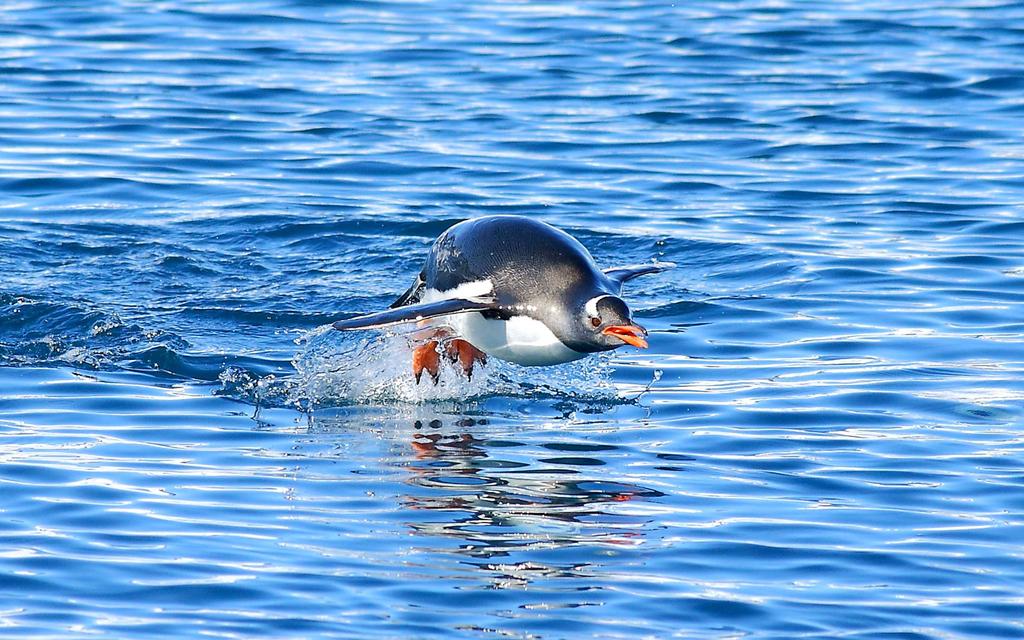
point(824, 439)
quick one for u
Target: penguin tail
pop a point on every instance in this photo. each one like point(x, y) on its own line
point(624, 274)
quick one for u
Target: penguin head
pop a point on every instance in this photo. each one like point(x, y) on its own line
point(605, 323)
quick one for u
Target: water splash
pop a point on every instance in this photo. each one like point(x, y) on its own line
point(336, 369)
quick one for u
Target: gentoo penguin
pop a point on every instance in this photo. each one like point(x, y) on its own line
point(516, 289)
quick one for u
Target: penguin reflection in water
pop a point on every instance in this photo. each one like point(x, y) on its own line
point(515, 289)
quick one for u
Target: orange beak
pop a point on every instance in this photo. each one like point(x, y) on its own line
point(628, 333)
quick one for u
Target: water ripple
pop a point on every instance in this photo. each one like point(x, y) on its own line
point(831, 401)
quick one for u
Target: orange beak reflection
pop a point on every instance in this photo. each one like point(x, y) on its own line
point(630, 334)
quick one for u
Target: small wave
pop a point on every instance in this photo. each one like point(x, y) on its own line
point(36, 333)
point(39, 332)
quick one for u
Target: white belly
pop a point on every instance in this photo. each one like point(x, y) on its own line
point(521, 339)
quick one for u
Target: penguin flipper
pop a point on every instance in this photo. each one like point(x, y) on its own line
point(412, 294)
point(415, 312)
point(623, 274)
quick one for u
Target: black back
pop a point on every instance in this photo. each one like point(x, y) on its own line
point(529, 262)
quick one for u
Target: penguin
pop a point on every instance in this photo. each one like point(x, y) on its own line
point(516, 289)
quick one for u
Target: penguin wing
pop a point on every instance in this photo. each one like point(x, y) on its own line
point(412, 294)
point(623, 274)
point(414, 312)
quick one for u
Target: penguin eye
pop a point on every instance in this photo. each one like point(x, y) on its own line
point(595, 322)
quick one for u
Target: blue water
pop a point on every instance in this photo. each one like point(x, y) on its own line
point(824, 439)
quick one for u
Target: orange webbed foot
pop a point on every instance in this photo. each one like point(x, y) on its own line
point(466, 355)
point(426, 357)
